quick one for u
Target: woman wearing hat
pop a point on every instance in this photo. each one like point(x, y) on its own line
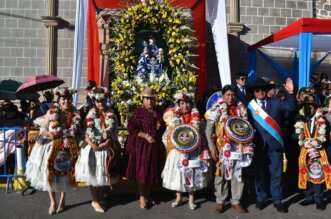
point(93, 165)
point(178, 175)
point(144, 148)
point(51, 163)
point(314, 168)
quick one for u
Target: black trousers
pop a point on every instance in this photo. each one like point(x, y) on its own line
point(314, 192)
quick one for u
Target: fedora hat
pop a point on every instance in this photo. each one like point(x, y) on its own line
point(261, 83)
point(148, 92)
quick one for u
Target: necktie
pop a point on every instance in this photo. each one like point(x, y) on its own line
point(263, 104)
point(242, 91)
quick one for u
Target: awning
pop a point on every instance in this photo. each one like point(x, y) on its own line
point(305, 35)
point(289, 36)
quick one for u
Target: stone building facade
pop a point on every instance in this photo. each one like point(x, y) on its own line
point(24, 37)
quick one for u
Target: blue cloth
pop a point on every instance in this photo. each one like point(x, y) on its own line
point(251, 67)
point(305, 41)
point(284, 74)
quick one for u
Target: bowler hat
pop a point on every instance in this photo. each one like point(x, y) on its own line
point(148, 92)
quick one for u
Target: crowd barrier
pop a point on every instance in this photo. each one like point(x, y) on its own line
point(13, 156)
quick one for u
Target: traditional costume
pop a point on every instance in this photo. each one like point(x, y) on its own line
point(96, 168)
point(233, 154)
point(314, 167)
point(186, 168)
point(52, 162)
point(145, 160)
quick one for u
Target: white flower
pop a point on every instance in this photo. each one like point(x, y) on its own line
point(151, 77)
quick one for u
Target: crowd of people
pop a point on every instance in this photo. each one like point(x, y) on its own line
point(181, 150)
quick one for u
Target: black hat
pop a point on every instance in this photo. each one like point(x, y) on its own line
point(48, 94)
point(90, 84)
point(261, 83)
point(307, 101)
point(10, 107)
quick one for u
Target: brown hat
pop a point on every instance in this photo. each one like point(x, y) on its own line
point(148, 92)
point(6, 103)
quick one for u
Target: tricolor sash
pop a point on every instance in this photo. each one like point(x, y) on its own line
point(266, 122)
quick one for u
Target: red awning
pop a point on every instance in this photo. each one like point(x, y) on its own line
point(288, 36)
point(121, 4)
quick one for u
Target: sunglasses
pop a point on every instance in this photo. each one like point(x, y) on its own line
point(258, 90)
point(242, 78)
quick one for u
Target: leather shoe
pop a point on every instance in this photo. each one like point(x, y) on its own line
point(219, 208)
point(260, 205)
point(307, 202)
point(280, 208)
point(239, 208)
point(320, 206)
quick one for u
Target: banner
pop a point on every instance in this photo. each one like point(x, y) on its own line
point(217, 18)
point(80, 29)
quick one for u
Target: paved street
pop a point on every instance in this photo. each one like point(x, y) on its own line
point(124, 204)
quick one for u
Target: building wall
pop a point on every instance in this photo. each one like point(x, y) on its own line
point(23, 39)
point(323, 8)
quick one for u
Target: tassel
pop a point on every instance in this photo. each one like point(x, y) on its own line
point(217, 172)
point(284, 163)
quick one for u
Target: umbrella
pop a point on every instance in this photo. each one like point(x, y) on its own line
point(39, 83)
point(8, 91)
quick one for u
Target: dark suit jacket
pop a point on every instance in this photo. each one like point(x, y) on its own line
point(244, 98)
point(275, 109)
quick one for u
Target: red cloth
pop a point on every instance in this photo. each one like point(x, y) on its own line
point(146, 161)
point(93, 49)
point(199, 24)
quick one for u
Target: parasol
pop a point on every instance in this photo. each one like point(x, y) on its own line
point(39, 83)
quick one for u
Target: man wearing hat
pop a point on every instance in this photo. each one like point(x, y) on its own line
point(267, 114)
point(314, 168)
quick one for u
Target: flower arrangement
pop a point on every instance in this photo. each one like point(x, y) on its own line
point(99, 96)
point(63, 130)
point(64, 91)
point(107, 124)
point(309, 141)
point(224, 111)
point(175, 29)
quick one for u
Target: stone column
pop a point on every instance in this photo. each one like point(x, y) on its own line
point(51, 22)
point(234, 27)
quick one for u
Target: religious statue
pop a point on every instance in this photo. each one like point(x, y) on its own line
point(151, 59)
